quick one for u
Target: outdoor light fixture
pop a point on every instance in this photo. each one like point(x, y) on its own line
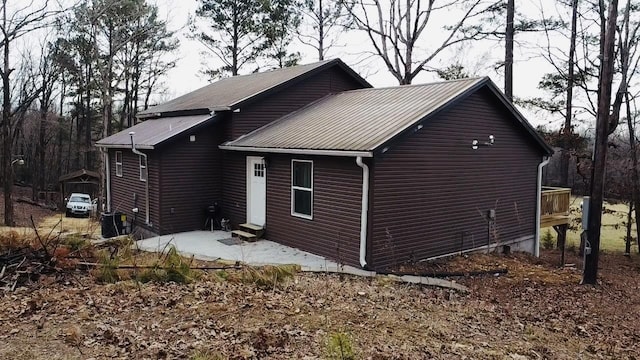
point(18, 159)
point(475, 143)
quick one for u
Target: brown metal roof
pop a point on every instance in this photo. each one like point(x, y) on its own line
point(357, 120)
point(363, 120)
point(152, 132)
point(229, 93)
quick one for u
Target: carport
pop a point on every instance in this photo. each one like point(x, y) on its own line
point(80, 181)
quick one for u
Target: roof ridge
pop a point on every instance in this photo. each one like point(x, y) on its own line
point(316, 63)
point(472, 79)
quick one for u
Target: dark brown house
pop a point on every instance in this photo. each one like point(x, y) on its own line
point(369, 177)
point(179, 168)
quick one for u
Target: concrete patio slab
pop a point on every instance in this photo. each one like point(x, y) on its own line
point(216, 245)
point(219, 245)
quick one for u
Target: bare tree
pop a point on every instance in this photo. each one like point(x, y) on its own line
point(395, 28)
point(325, 19)
point(14, 25)
point(635, 182)
point(604, 122)
point(568, 115)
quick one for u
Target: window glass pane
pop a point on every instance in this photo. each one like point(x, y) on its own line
point(302, 202)
point(302, 174)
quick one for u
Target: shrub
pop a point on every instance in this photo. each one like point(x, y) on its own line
point(107, 272)
point(339, 346)
point(171, 268)
point(266, 277)
point(547, 240)
point(75, 242)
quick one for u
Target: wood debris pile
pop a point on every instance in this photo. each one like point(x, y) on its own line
point(25, 257)
point(20, 266)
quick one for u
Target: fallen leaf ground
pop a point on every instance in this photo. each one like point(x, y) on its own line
point(535, 311)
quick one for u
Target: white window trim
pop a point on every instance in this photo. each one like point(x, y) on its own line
point(293, 188)
point(118, 163)
point(145, 167)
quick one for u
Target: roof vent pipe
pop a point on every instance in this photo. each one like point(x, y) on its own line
point(364, 212)
point(137, 152)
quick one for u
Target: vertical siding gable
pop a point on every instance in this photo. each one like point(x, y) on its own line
point(432, 190)
point(274, 106)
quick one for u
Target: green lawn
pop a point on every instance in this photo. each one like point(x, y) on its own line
point(613, 227)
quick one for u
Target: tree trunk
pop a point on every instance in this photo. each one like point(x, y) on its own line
point(627, 239)
point(565, 155)
point(40, 148)
point(320, 31)
point(6, 128)
point(508, 56)
point(600, 146)
point(635, 183)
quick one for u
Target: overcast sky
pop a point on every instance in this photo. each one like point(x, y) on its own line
point(479, 58)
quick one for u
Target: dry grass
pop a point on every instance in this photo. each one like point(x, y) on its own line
point(65, 225)
point(613, 231)
point(58, 225)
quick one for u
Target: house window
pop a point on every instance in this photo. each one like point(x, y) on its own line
point(118, 163)
point(143, 168)
point(302, 188)
point(258, 169)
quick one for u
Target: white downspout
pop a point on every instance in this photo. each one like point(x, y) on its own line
point(107, 175)
point(365, 210)
point(545, 161)
point(137, 152)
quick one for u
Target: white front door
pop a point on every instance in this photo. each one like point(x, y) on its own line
point(256, 190)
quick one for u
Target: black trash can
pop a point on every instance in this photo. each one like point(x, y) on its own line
point(112, 225)
point(109, 230)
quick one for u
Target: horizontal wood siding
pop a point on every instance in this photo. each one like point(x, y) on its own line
point(334, 230)
point(234, 178)
point(128, 191)
point(432, 191)
point(274, 106)
point(191, 178)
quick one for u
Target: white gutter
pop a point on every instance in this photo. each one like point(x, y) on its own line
point(137, 152)
point(545, 161)
point(298, 151)
point(107, 176)
point(365, 210)
point(124, 146)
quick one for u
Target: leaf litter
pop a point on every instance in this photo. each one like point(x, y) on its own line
point(535, 311)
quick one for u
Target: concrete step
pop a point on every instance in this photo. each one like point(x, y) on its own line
point(257, 230)
point(244, 235)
